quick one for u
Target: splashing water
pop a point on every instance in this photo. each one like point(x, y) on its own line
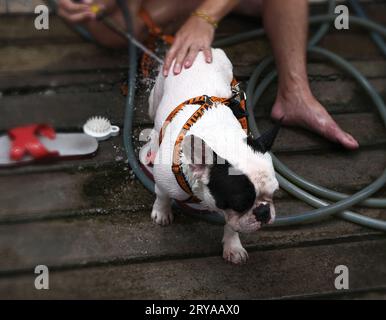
point(140, 46)
point(108, 22)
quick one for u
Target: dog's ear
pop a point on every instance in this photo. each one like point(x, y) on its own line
point(265, 142)
point(197, 154)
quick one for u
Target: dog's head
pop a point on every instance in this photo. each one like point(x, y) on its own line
point(243, 189)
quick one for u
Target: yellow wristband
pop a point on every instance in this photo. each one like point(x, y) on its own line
point(206, 17)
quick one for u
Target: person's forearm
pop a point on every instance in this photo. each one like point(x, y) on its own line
point(217, 9)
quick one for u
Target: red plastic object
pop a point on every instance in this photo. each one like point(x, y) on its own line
point(25, 141)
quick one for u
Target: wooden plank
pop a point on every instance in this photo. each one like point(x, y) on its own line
point(3, 7)
point(86, 56)
point(54, 50)
point(376, 11)
point(53, 195)
point(373, 69)
point(132, 237)
point(60, 57)
point(276, 274)
point(343, 171)
point(366, 128)
point(32, 81)
point(42, 195)
point(73, 106)
point(372, 294)
point(20, 29)
point(351, 46)
point(20, 6)
point(64, 110)
point(26, 82)
point(325, 71)
point(137, 236)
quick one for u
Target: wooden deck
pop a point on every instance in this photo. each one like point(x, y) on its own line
point(89, 220)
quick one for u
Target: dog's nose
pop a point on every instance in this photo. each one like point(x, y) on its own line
point(262, 213)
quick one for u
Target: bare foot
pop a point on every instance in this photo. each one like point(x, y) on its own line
point(305, 111)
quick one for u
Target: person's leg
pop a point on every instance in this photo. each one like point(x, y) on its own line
point(250, 8)
point(286, 23)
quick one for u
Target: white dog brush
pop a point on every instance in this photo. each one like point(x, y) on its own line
point(100, 128)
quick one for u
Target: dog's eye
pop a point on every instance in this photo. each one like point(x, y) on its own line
point(241, 203)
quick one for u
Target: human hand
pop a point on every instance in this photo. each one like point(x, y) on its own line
point(76, 11)
point(194, 36)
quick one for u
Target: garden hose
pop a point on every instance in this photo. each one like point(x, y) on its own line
point(374, 36)
point(291, 182)
point(130, 100)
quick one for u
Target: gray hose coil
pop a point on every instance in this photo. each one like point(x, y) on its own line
point(288, 180)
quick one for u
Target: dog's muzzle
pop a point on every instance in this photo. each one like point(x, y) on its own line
point(262, 213)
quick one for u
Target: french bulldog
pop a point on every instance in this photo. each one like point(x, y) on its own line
point(239, 183)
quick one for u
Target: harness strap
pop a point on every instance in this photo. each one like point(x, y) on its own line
point(236, 103)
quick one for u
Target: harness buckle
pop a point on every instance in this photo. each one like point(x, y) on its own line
point(237, 102)
point(236, 88)
point(207, 100)
point(237, 92)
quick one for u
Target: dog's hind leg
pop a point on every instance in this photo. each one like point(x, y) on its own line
point(162, 208)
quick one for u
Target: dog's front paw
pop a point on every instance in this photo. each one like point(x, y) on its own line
point(235, 254)
point(162, 217)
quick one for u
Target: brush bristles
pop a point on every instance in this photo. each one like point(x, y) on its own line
point(98, 125)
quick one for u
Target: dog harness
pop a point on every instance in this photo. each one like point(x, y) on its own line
point(237, 103)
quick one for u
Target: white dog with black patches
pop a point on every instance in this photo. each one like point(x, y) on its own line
point(240, 184)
